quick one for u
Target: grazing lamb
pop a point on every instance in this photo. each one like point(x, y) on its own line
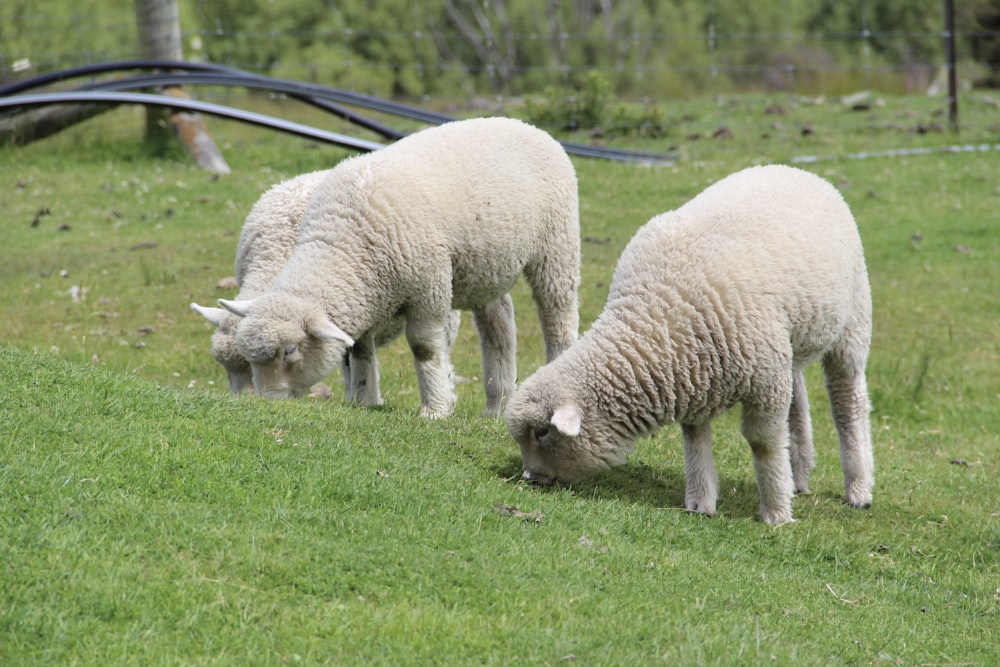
point(445, 218)
point(265, 244)
point(725, 300)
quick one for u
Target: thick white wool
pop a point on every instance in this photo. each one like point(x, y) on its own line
point(446, 218)
point(266, 242)
point(723, 301)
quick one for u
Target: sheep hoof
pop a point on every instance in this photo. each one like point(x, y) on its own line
point(430, 413)
point(776, 517)
point(696, 506)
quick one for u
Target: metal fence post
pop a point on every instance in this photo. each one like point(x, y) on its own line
point(949, 36)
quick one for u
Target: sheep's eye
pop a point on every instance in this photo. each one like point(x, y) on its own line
point(291, 349)
point(541, 432)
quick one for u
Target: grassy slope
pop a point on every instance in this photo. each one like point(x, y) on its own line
point(148, 517)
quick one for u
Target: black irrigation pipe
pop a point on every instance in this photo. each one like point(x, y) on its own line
point(100, 68)
point(115, 98)
point(290, 88)
point(304, 90)
point(205, 68)
point(317, 95)
point(366, 101)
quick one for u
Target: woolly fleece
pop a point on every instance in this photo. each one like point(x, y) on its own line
point(266, 241)
point(723, 301)
point(265, 244)
point(445, 218)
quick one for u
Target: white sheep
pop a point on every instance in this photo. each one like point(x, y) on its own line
point(725, 300)
point(265, 244)
point(448, 217)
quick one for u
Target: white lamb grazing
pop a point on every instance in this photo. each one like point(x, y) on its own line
point(265, 244)
point(445, 218)
point(266, 241)
point(725, 300)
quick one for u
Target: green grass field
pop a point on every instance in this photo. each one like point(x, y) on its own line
point(149, 517)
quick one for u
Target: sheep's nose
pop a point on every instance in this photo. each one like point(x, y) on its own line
point(536, 478)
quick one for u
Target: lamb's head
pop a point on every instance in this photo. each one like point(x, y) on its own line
point(289, 342)
point(562, 435)
point(224, 347)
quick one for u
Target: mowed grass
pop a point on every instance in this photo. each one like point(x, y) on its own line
point(149, 517)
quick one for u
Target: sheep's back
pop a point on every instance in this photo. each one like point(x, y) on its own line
point(270, 231)
point(482, 197)
point(772, 249)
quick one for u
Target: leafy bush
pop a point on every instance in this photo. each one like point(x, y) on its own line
point(592, 108)
point(584, 109)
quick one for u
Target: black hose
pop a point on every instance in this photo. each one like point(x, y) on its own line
point(112, 97)
point(320, 96)
point(291, 88)
point(166, 66)
point(100, 68)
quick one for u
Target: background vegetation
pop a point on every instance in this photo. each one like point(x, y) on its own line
point(148, 517)
point(455, 48)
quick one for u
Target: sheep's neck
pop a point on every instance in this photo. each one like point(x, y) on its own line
point(663, 373)
point(347, 285)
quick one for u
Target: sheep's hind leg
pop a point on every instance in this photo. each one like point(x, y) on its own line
point(363, 368)
point(848, 391)
point(800, 434)
point(554, 286)
point(767, 433)
point(701, 487)
point(451, 330)
point(498, 342)
point(429, 343)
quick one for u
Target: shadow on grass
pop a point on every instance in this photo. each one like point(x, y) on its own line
point(654, 486)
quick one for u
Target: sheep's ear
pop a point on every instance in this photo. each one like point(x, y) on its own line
point(214, 315)
point(567, 419)
point(239, 307)
point(324, 329)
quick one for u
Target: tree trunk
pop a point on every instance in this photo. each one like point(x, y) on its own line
point(159, 28)
point(23, 128)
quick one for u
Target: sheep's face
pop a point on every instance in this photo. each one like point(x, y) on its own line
point(226, 352)
point(224, 347)
point(289, 345)
point(559, 443)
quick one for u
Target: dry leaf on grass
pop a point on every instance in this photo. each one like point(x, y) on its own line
point(533, 516)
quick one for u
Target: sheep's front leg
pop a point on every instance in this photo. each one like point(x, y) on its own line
point(364, 380)
point(701, 481)
point(767, 433)
point(800, 435)
point(498, 343)
point(428, 341)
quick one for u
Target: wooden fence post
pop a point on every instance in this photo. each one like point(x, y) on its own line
point(159, 26)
